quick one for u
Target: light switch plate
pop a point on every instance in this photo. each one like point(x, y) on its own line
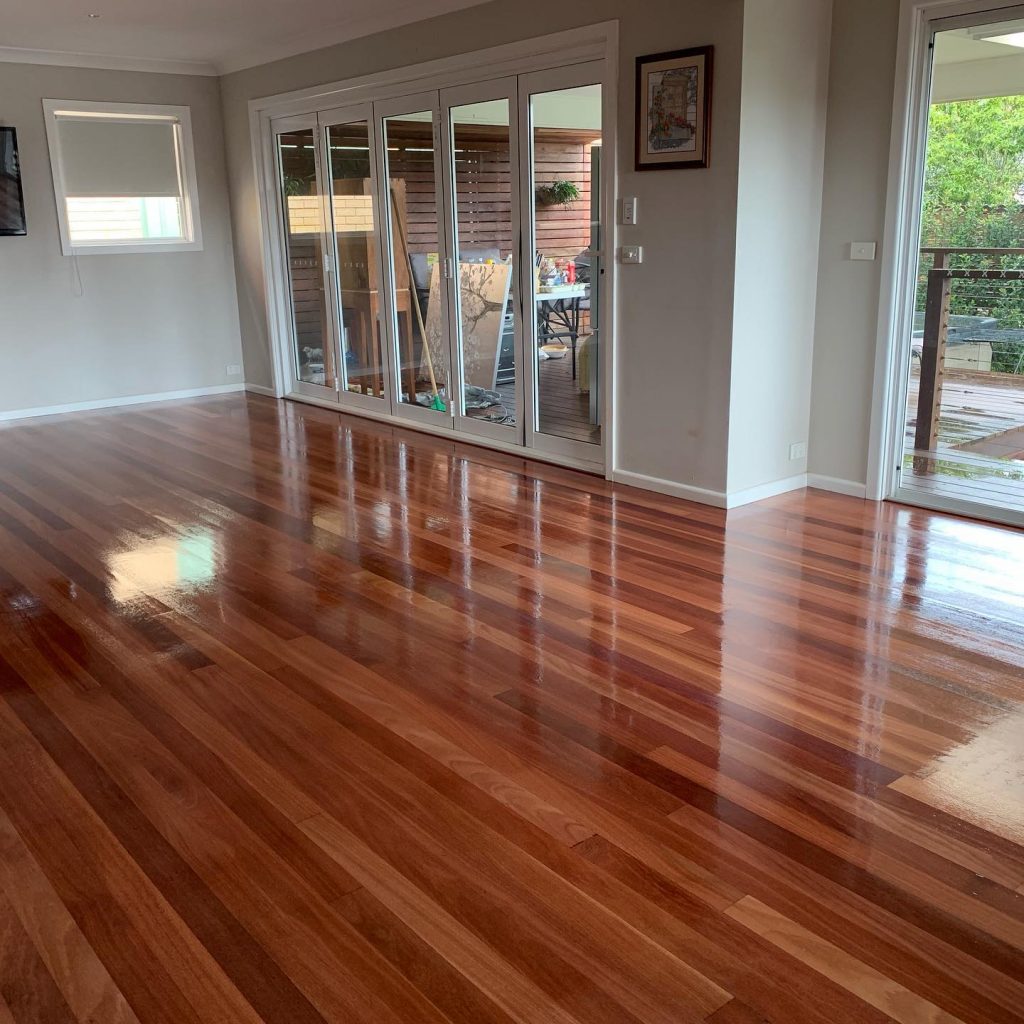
point(798, 450)
point(862, 250)
point(631, 254)
point(629, 210)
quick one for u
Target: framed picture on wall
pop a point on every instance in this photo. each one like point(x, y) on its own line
point(12, 201)
point(673, 109)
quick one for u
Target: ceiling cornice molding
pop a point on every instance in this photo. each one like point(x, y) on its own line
point(105, 62)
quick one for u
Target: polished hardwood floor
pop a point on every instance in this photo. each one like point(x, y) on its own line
point(304, 719)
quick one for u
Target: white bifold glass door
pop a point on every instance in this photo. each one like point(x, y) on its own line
point(312, 355)
point(331, 244)
point(481, 187)
point(561, 123)
point(443, 253)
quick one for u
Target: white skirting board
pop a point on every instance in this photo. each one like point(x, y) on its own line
point(736, 499)
point(670, 487)
point(111, 403)
point(719, 499)
point(261, 389)
point(837, 485)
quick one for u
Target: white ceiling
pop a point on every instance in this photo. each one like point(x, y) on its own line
point(197, 36)
point(958, 46)
point(970, 67)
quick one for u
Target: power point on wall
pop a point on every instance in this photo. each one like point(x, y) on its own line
point(798, 450)
point(232, 369)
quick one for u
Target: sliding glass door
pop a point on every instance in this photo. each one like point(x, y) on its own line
point(959, 438)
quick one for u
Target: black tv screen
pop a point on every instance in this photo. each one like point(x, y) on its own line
point(12, 200)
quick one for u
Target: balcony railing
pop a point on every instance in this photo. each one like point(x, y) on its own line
point(992, 279)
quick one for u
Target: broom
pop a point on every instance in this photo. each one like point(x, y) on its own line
point(437, 402)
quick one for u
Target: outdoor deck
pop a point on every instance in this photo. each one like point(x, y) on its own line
point(564, 409)
point(980, 453)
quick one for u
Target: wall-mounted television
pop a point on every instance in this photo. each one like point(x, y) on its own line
point(12, 199)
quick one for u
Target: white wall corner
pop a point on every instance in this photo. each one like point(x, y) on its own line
point(734, 499)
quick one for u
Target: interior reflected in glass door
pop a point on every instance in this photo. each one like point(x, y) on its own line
point(422, 359)
point(566, 170)
point(303, 235)
point(356, 263)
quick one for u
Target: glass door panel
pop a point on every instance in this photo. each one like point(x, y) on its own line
point(314, 365)
point(482, 169)
point(563, 119)
point(410, 193)
point(357, 265)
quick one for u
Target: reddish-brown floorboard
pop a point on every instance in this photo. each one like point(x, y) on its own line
point(305, 719)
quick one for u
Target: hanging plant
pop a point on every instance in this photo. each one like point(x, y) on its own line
point(561, 193)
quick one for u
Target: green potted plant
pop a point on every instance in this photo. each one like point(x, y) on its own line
point(560, 193)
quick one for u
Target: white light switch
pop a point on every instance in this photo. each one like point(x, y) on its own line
point(631, 254)
point(629, 210)
point(862, 250)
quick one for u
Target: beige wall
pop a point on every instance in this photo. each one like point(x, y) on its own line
point(861, 81)
point(675, 311)
point(782, 144)
point(118, 325)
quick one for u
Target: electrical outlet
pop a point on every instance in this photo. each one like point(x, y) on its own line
point(232, 369)
point(631, 254)
point(798, 450)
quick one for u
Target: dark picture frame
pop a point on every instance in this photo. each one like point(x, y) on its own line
point(12, 196)
point(673, 109)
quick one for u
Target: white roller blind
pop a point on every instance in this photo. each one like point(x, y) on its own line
point(106, 157)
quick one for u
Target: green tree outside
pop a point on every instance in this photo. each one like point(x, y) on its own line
point(974, 196)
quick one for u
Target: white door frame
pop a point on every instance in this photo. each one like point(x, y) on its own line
point(582, 44)
point(911, 100)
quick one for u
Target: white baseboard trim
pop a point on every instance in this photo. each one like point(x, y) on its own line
point(837, 485)
point(736, 499)
point(110, 403)
point(261, 389)
point(669, 487)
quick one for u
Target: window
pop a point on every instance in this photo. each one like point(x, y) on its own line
point(124, 177)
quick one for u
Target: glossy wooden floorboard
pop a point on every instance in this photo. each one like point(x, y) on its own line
point(304, 719)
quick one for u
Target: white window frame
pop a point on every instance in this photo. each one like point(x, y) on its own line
point(193, 240)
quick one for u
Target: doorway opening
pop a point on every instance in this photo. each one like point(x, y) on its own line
point(961, 436)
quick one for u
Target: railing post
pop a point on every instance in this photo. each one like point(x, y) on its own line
point(933, 355)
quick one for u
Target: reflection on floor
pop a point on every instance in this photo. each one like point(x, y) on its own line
point(306, 719)
point(980, 454)
point(564, 409)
